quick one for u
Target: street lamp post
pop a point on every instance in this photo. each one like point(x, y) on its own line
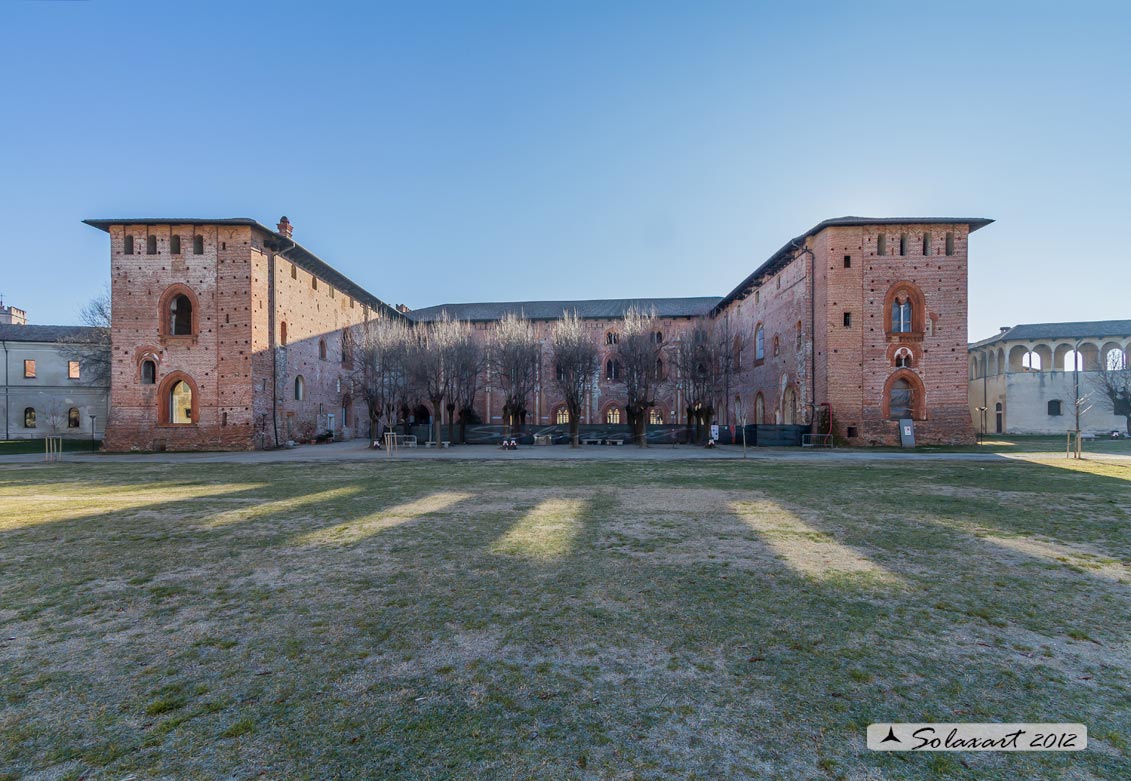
point(93, 448)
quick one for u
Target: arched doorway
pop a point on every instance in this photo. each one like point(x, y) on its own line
point(999, 418)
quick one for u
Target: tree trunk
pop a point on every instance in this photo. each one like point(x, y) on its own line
point(437, 418)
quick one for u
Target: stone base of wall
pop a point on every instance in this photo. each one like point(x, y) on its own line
point(121, 439)
point(946, 426)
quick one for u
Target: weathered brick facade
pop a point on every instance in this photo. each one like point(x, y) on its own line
point(241, 372)
point(266, 312)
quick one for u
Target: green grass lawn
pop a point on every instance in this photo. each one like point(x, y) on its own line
point(558, 620)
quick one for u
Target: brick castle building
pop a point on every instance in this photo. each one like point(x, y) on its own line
point(228, 335)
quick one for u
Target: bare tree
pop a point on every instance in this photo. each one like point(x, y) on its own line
point(468, 361)
point(432, 364)
point(378, 350)
point(1112, 380)
point(92, 347)
point(639, 352)
point(705, 360)
point(514, 357)
point(575, 367)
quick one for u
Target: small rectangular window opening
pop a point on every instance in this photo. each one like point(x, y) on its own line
point(128, 245)
point(949, 243)
point(1054, 407)
point(847, 319)
point(314, 283)
point(853, 432)
point(150, 245)
point(848, 261)
point(882, 244)
point(903, 244)
point(926, 244)
point(198, 245)
point(73, 370)
point(294, 271)
point(175, 245)
point(29, 369)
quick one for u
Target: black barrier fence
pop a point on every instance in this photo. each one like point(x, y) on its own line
point(609, 434)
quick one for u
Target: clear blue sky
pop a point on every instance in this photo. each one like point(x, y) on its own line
point(439, 152)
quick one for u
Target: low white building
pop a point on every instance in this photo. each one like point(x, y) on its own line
point(1031, 379)
point(52, 381)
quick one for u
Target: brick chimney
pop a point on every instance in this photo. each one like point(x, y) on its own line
point(285, 226)
point(404, 310)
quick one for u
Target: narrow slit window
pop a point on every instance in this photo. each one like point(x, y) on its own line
point(848, 261)
point(903, 244)
point(926, 243)
point(847, 319)
point(949, 243)
point(175, 244)
point(198, 245)
point(128, 245)
point(73, 370)
point(150, 245)
point(882, 244)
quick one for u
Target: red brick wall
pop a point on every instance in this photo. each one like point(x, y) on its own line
point(859, 360)
point(217, 280)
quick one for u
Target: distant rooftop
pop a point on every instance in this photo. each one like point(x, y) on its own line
point(46, 333)
point(784, 255)
point(602, 309)
point(1094, 329)
point(288, 248)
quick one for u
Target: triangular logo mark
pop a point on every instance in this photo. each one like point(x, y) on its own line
point(891, 738)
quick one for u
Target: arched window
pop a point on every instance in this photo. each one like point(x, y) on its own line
point(283, 332)
point(777, 346)
point(29, 417)
point(347, 348)
point(611, 337)
point(1030, 361)
point(150, 245)
point(180, 316)
point(1115, 360)
point(180, 403)
point(903, 358)
point(999, 418)
point(300, 388)
point(759, 409)
point(789, 406)
point(322, 349)
point(198, 245)
point(658, 337)
point(737, 350)
point(759, 343)
point(128, 245)
point(560, 372)
point(612, 370)
point(905, 309)
point(612, 416)
point(175, 244)
point(899, 400)
point(655, 417)
point(73, 418)
point(901, 315)
point(562, 416)
point(658, 370)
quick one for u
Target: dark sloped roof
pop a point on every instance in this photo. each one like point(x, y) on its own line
point(47, 333)
point(784, 255)
point(1095, 329)
point(287, 247)
point(604, 309)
